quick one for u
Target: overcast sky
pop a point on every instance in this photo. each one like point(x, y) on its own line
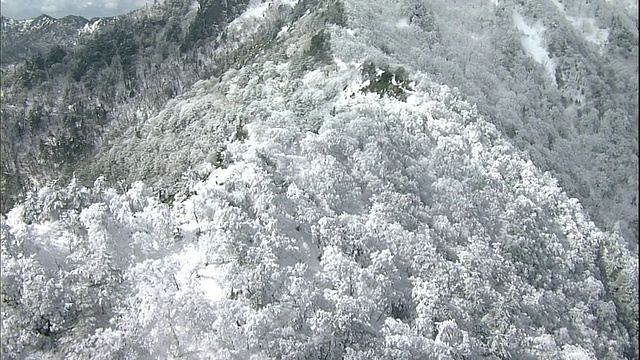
point(22, 9)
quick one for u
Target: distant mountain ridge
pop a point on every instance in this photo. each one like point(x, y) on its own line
point(22, 39)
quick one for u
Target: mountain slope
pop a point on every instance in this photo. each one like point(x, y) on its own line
point(61, 106)
point(395, 230)
point(575, 114)
point(580, 124)
point(326, 198)
point(23, 39)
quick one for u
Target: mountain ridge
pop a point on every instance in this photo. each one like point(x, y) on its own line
point(22, 39)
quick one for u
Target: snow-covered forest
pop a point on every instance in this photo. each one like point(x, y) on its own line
point(326, 179)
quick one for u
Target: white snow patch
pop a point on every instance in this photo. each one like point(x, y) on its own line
point(590, 31)
point(587, 27)
point(475, 37)
point(189, 230)
point(221, 176)
point(291, 3)
point(573, 352)
point(194, 6)
point(283, 30)
point(255, 10)
point(52, 243)
point(90, 28)
point(210, 284)
point(57, 246)
point(342, 66)
point(313, 76)
point(402, 23)
point(208, 276)
point(55, 250)
point(534, 45)
point(191, 14)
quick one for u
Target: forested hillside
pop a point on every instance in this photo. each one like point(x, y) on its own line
point(60, 106)
point(31, 38)
point(564, 90)
point(326, 179)
point(566, 97)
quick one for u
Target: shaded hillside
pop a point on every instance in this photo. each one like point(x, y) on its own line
point(60, 106)
point(23, 39)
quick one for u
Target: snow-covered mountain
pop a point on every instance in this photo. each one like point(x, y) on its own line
point(22, 39)
point(330, 179)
